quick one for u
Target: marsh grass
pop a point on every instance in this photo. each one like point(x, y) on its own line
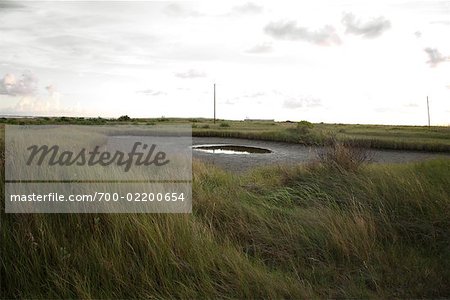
point(275, 232)
point(420, 138)
point(344, 156)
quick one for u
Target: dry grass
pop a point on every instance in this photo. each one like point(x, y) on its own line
point(273, 233)
point(343, 155)
point(380, 232)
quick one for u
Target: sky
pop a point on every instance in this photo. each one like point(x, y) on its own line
point(367, 62)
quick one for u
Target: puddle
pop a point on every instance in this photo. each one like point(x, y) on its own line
point(230, 149)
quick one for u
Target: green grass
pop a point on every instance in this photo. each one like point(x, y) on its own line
point(419, 138)
point(299, 232)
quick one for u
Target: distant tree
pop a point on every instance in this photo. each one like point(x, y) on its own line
point(124, 118)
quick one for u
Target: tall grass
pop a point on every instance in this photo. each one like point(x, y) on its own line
point(297, 232)
point(343, 156)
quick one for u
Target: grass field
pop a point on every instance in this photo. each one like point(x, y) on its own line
point(296, 232)
point(420, 138)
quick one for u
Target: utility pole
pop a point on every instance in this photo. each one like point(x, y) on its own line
point(428, 109)
point(214, 103)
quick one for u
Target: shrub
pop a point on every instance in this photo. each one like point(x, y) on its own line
point(205, 126)
point(124, 118)
point(305, 123)
point(223, 124)
point(343, 156)
point(63, 119)
point(304, 127)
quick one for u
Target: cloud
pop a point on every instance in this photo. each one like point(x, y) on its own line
point(260, 48)
point(41, 105)
point(382, 109)
point(44, 106)
point(441, 23)
point(50, 104)
point(178, 10)
point(369, 29)
point(32, 104)
point(247, 97)
point(435, 57)
point(254, 95)
point(247, 8)
point(289, 30)
point(190, 74)
point(30, 101)
point(53, 93)
point(149, 92)
point(308, 102)
point(13, 86)
point(10, 5)
point(229, 102)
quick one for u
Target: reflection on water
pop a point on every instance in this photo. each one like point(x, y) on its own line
point(230, 149)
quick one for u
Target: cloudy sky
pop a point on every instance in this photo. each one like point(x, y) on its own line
point(322, 61)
